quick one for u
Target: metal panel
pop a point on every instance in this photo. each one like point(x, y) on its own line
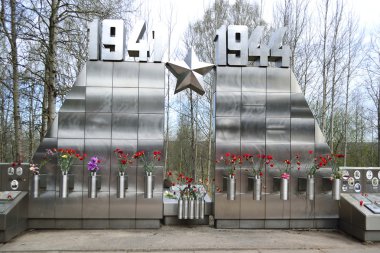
point(96, 208)
point(302, 130)
point(96, 223)
point(149, 146)
point(321, 146)
point(124, 126)
point(253, 128)
point(325, 206)
point(151, 126)
point(228, 79)
point(249, 208)
point(51, 166)
point(77, 92)
point(43, 206)
point(99, 73)
point(253, 98)
point(98, 99)
point(278, 130)
point(129, 147)
point(254, 79)
point(81, 78)
point(102, 149)
point(125, 100)
point(278, 105)
point(151, 100)
point(75, 100)
point(98, 125)
point(71, 125)
point(52, 131)
point(228, 103)
point(70, 207)
point(253, 111)
point(299, 107)
point(227, 128)
point(301, 207)
point(278, 80)
point(276, 208)
point(123, 208)
point(149, 208)
point(152, 75)
point(126, 74)
point(295, 87)
point(73, 105)
point(226, 209)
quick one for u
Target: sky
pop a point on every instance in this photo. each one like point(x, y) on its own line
point(185, 11)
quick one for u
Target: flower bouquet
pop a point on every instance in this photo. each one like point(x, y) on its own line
point(123, 159)
point(149, 165)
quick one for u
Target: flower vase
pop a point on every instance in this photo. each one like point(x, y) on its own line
point(121, 185)
point(197, 206)
point(257, 188)
point(36, 185)
point(185, 209)
point(92, 191)
point(284, 189)
point(180, 209)
point(64, 185)
point(191, 208)
point(310, 187)
point(336, 189)
point(148, 184)
point(231, 187)
point(202, 208)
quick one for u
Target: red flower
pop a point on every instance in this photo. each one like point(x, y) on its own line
point(247, 156)
point(123, 161)
point(269, 157)
point(271, 165)
point(77, 155)
point(81, 158)
point(287, 161)
point(14, 164)
point(310, 152)
point(361, 202)
point(263, 156)
point(227, 154)
point(261, 174)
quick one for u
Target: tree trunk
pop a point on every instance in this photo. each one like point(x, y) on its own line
point(2, 127)
point(324, 70)
point(192, 141)
point(378, 127)
point(50, 64)
point(15, 76)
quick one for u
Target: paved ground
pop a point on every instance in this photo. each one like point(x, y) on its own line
point(188, 239)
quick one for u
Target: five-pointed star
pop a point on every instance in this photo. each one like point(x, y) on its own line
point(189, 72)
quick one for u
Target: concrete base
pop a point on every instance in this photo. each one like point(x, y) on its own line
point(357, 220)
point(173, 220)
point(277, 224)
point(92, 224)
point(13, 217)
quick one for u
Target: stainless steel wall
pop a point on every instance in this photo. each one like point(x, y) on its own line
point(263, 110)
point(112, 105)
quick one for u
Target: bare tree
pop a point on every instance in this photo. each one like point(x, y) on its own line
point(9, 27)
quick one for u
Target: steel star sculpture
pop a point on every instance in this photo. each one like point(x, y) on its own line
point(189, 72)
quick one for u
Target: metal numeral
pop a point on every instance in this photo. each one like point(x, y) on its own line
point(113, 40)
point(237, 45)
point(256, 50)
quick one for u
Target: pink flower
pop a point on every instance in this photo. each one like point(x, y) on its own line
point(285, 176)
